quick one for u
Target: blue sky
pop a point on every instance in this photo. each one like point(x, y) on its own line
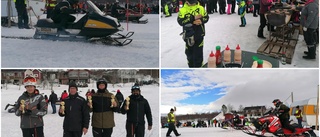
point(198, 97)
point(206, 90)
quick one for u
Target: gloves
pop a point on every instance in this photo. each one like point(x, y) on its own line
point(27, 112)
point(305, 29)
point(197, 22)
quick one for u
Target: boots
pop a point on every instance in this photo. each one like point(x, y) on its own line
point(311, 52)
point(260, 33)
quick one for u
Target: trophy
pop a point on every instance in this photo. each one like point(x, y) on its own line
point(62, 107)
point(112, 100)
point(22, 104)
point(127, 103)
point(90, 101)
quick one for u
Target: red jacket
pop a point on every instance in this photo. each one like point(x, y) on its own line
point(64, 95)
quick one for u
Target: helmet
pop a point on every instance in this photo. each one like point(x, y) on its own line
point(30, 81)
point(276, 102)
point(101, 81)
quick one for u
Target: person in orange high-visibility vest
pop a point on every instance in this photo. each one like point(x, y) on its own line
point(298, 115)
point(171, 121)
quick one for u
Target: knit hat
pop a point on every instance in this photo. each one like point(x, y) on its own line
point(118, 90)
point(72, 84)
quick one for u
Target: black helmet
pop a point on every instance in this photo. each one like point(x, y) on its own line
point(276, 102)
point(102, 81)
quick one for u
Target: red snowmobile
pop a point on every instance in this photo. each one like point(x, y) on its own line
point(132, 16)
point(270, 123)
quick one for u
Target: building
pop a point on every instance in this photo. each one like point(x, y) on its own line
point(254, 111)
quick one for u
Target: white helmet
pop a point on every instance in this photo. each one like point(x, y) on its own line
point(30, 81)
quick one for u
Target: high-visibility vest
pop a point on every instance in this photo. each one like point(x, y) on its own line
point(171, 118)
point(300, 115)
point(51, 3)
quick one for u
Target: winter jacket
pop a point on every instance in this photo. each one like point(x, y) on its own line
point(264, 6)
point(103, 116)
point(138, 108)
point(64, 95)
point(20, 3)
point(310, 14)
point(119, 97)
point(186, 16)
point(76, 114)
point(36, 108)
point(298, 114)
point(53, 98)
point(283, 112)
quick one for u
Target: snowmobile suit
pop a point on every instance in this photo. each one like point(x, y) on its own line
point(23, 18)
point(242, 12)
point(284, 116)
point(103, 114)
point(35, 106)
point(61, 15)
point(76, 115)
point(187, 16)
point(138, 108)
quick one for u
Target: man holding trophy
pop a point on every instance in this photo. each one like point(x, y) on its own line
point(76, 114)
point(103, 104)
point(135, 124)
point(31, 108)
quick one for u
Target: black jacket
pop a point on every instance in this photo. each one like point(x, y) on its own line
point(53, 98)
point(283, 112)
point(59, 10)
point(138, 107)
point(119, 97)
point(76, 114)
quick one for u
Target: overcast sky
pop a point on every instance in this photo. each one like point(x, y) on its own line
point(196, 91)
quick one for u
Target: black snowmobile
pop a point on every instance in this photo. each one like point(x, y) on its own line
point(94, 26)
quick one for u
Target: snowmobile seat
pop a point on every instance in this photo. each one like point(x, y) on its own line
point(47, 23)
point(295, 125)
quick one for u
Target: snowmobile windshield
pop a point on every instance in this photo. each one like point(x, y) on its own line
point(93, 8)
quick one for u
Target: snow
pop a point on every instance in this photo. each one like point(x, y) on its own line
point(143, 52)
point(222, 30)
point(10, 123)
point(209, 132)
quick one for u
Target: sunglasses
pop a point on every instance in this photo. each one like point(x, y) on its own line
point(135, 87)
point(29, 79)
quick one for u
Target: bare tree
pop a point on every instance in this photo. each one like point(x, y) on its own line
point(230, 107)
point(240, 108)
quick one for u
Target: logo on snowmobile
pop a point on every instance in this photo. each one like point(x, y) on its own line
point(98, 24)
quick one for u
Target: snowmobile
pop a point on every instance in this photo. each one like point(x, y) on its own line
point(132, 16)
point(12, 109)
point(94, 26)
point(271, 123)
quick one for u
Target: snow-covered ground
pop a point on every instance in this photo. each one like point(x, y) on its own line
point(208, 132)
point(10, 124)
point(143, 52)
point(222, 30)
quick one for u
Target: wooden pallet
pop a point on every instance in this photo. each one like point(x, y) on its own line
point(276, 46)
